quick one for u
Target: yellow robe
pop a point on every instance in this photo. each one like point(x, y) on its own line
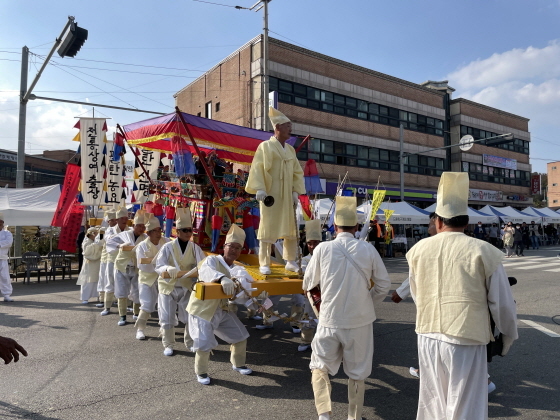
point(276, 170)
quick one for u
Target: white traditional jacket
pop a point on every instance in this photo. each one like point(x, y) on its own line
point(146, 249)
point(124, 258)
point(171, 255)
point(109, 233)
point(6, 240)
point(92, 260)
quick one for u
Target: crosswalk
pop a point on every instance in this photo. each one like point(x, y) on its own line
point(551, 264)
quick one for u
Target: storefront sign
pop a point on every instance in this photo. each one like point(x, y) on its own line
point(518, 198)
point(499, 162)
point(11, 157)
point(485, 195)
point(394, 193)
point(535, 184)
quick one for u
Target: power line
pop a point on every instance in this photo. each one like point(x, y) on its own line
point(122, 71)
point(135, 65)
point(217, 4)
point(142, 48)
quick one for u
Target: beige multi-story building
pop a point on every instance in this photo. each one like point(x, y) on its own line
point(353, 115)
point(553, 189)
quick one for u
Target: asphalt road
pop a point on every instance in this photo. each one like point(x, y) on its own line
point(83, 366)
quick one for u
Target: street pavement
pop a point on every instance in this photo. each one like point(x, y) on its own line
point(83, 366)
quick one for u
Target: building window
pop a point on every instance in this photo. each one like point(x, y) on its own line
point(554, 167)
point(517, 145)
point(555, 201)
point(198, 114)
point(208, 110)
point(555, 184)
point(217, 106)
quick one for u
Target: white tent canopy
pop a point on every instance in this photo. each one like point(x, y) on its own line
point(475, 216)
point(29, 206)
point(548, 215)
point(509, 214)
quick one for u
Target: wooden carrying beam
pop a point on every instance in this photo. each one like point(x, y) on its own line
point(207, 291)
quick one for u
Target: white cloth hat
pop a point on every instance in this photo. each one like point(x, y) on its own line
point(92, 230)
point(122, 212)
point(111, 214)
point(453, 195)
point(183, 218)
point(276, 117)
point(235, 235)
point(139, 217)
point(152, 222)
point(313, 230)
point(346, 212)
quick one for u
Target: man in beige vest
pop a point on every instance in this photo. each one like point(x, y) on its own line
point(121, 226)
point(343, 269)
point(211, 318)
point(111, 218)
point(179, 255)
point(456, 281)
point(146, 252)
point(126, 270)
point(276, 172)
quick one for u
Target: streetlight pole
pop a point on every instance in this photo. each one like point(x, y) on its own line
point(404, 155)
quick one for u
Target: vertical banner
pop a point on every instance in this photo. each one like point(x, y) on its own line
point(535, 184)
point(67, 195)
point(378, 196)
point(115, 190)
point(150, 159)
point(92, 147)
point(71, 229)
point(388, 214)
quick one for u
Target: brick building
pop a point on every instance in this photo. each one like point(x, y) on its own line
point(40, 170)
point(353, 115)
point(553, 179)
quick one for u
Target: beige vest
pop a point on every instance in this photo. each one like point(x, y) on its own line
point(150, 278)
point(111, 257)
point(205, 309)
point(450, 271)
point(125, 258)
point(186, 261)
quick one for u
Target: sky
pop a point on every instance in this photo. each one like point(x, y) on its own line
point(501, 53)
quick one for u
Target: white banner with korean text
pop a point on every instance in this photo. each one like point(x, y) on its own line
point(150, 161)
point(92, 147)
point(115, 190)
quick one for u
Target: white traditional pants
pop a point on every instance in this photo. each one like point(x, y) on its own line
point(126, 284)
point(453, 381)
point(5, 280)
point(88, 291)
point(168, 305)
point(110, 277)
point(353, 346)
point(224, 324)
point(102, 277)
point(148, 296)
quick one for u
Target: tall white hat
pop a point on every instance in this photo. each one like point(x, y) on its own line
point(122, 212)
point(276, 117)
point(235, 235)
point(139, 217)
point(111, 214)
point(152, 222)
point(313, 230)
point(183, 218)
point(346, 212)
point(453, 195)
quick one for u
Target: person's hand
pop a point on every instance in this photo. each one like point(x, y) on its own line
point(172, 272)
point(228, 286)
point(9, 349)
point(508, 341)
point(295, 197)
point(395, 297)
point(261, 195)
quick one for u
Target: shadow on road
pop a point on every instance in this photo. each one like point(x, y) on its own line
point(9, 411)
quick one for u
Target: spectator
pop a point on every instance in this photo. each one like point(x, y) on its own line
point(518, 241)
point(493, 234)
point(525, 235)
point(534, 235)
point(508, 238)
point(480, 232)
point(375, 235)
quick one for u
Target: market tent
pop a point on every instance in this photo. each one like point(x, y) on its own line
point(29, 206)
point(231, 142)
point(548, 215)
point(509, 214)
point(405, 213)
point(475, 216)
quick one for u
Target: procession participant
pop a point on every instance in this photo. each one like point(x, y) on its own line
point(111, 217)
point(6, 240)
point(146, 252)
point(126, 271)
point(455, 292)
point(343, 269)
point(89, 274)
point(121, 226)
point(179, 255)
point(313, 237)
point(210, 318)
point(276, 171)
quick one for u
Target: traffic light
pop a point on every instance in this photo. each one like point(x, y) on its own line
point(72, 41)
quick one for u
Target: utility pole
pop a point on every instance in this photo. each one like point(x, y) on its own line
point(401, 159)
point(265, 65)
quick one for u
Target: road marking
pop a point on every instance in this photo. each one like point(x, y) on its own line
point(555, 270)
point(520, 263)
point(556, 264)
point(541, 328)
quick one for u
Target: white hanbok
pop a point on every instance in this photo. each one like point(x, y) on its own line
point(89, 275)
point(6, 240)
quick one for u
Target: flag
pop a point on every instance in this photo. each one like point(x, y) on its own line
point(311, 178)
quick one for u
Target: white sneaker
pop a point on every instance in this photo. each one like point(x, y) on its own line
point(204, 380)
point(265, 270)
point(414, 372)
point(122, 321)
point(244, 370)
point(107, 311)
point(134, 317)
point(85, 302)
point(296, 330)
point(8, 299)
point(99, 305)
point(264, 326)
point(168, 351)
point(291, 266)
point(140, 335)
point(303, 347)
point(491, 387)
point(324, 416)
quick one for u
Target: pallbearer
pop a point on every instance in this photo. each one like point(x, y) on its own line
point(146, 252)
point(126, 270)
point(179, 255)
point(211, 318)
point(111, 217)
